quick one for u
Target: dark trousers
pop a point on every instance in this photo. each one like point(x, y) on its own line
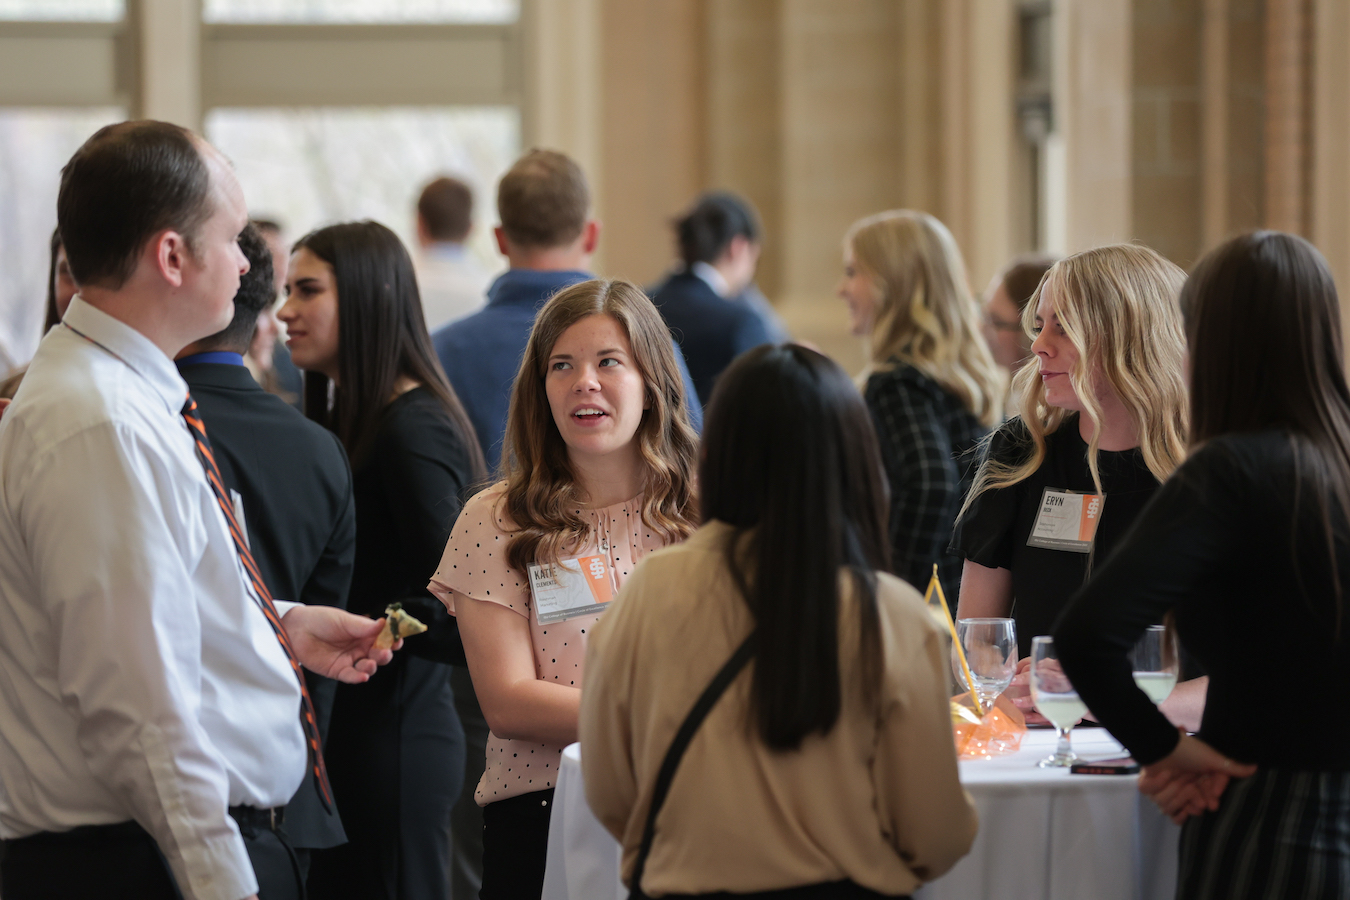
point(466, 818)
point(122, 862)
point(396, 760)
point(515, 846)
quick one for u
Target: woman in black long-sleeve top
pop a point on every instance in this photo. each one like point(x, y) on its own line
point(1248, 546)
point(395, 747)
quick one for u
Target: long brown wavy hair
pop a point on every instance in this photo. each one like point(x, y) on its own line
point(542, 495)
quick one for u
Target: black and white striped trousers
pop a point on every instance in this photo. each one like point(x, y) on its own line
point(1278, 834)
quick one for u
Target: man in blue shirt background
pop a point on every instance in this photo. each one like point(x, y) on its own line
point(548, 237)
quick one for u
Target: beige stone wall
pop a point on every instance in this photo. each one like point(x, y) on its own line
point(1166, 206)
point(1177, 123)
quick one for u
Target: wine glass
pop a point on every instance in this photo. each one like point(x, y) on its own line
point(991, 653)
point(1156, 663)
point(1055, 699)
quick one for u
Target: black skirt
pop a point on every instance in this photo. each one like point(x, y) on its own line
point(1278, 834)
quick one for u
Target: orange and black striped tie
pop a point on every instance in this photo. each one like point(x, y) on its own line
point(262, 595)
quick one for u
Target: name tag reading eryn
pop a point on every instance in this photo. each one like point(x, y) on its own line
point(1067, 520)
point(576, 587)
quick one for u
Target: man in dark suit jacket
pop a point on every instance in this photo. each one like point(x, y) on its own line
point(291, 479)
point(719, 244)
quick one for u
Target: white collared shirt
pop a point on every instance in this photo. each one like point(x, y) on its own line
point(138, 678)
point(451, 282)
point(714, 279)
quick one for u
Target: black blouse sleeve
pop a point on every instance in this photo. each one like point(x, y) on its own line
point(1182, 537)
point(985, 534)
point(426, 470)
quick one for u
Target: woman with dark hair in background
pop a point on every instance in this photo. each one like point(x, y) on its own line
point(1005, 300)
point(829, 768)
point(702, 303)
point(60, 289)
point(1247, 545)
point(395, 747)
point(598, 472)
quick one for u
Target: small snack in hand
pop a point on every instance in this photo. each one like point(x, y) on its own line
point(397, 624)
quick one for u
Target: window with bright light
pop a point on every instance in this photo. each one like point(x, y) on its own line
point(34, 145)
point(311, 167)
point(62, 10)
point(385, 11)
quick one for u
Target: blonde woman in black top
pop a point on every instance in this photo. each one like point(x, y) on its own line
point(1102, 414)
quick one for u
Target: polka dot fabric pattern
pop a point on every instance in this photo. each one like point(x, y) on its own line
point(474, 568)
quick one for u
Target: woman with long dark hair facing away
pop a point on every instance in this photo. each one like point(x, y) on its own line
point(828, 769)
point(598, 471)
point(931, 384)
point(1247, 545)
point(395, 746)
point(1101, 422)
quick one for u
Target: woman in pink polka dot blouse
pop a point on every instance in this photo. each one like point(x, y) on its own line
point(598, 471)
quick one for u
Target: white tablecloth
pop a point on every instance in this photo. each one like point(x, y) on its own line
point(1044, 834)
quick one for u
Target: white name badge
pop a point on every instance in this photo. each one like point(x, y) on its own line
point(1067, 520)
point(577, 587)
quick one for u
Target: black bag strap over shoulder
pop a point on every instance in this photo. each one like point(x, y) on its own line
point(721, 681)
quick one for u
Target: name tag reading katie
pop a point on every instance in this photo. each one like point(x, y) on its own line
point(1067, 520)
point(577, 587)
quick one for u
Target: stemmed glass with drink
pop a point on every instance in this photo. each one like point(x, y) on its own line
point(990, 646)
point(1055, 699)
point(1156, 662)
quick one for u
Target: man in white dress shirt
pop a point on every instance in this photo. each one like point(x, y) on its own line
point(451, 281)
point(151, 714)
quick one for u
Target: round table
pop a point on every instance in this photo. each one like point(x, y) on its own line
point(1044, 834)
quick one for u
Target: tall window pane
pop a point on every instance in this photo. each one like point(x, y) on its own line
point(478, 11)
point(34, 145)
point(312, 167)
point(62, 10)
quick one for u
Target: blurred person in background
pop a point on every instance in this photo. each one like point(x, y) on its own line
point(548, 237)
point(395, 748)
point(60, 289)
point(453, 282)
point(599, 466)
point(1103, 413)
point(719, 245)
point(267, 357)
point(1005, 300)
point(293, 495)
point(931, 384)
point(828, 771)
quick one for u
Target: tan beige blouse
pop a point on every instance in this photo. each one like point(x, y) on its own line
point(474, 568)
point(877, 800)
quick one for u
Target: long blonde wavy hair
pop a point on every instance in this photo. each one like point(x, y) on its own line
point(542, 496)
point(925, 314)
point(1118, 305)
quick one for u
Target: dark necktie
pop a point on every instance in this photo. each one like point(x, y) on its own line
point(262, 595)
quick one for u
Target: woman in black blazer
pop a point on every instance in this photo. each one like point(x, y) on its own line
point(395, 747)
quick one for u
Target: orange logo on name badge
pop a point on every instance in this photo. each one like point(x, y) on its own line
point(1092, 512)
point(596, 575)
